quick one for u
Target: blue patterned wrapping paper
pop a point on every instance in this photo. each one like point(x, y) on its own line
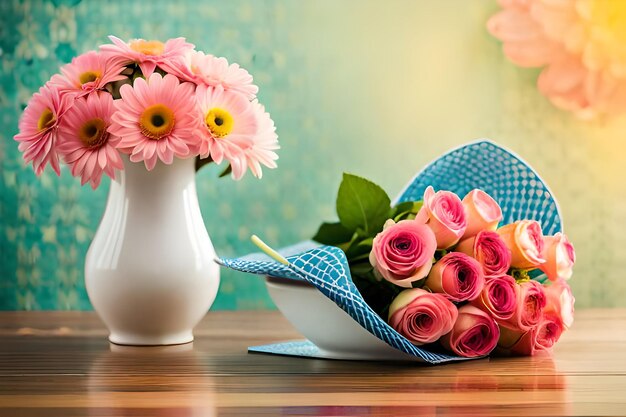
point(518, 189)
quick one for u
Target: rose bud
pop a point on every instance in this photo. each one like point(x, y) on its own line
point(474, 333)
point(457, 276)
point(482, 211)
point(403, 252)
point(559, 255)
point(498, 297)
point(421, 316)
point(490, 250)
point(560, 301)
point(531, 301)
point(443, 212)
point(525, 241)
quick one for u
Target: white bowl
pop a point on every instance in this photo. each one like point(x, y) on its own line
point(331, 329)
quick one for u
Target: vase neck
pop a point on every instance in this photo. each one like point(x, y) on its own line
point(162, 178)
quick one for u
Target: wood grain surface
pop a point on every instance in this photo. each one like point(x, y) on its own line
point(61, 364)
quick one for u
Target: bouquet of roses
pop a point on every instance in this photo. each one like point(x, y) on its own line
point(443, 271)
point(152, 101)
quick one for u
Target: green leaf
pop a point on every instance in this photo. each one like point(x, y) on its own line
point(362, 204)
point(359, 248)
point(332, 234)
point(402, 207)
point(406, 210)
point(361, 269)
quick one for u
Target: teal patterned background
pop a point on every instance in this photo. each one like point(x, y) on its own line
point(352, 86)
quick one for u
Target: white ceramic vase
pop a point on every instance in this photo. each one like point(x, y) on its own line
point(150, 271)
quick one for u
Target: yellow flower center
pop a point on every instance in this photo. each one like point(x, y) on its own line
point(153, 48)
point(157, 121)
point(219, 122)
point(93, 133)
point(88, 76)
point(46, 120)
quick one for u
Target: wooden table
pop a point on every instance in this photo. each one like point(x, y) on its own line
point(60, 364)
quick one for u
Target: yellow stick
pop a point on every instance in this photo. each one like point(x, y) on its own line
point(269, 251)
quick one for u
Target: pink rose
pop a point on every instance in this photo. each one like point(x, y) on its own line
point(443, 212)
point(541, 337)
point(403, 252)
point(421, 316)
point(560, 301)
point(498, 297)
point(482, 211)
point(490, 250)
point(559, 255)
point(549, 331)
point(457, 276)
point(474, 333)
point(525, 241)
point(531, 301)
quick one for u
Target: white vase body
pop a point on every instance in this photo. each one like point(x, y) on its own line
point(150, 271)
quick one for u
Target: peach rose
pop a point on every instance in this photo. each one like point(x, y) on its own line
point(490, 250)
point(443, 212)
point(421, 316)
point(474, 333)
point(458, 276)
point(559, 299)
point(559, 255)
point(482, 212)
point(498, 297)
point(403, 252)
point(531, 302)
point(525, 241)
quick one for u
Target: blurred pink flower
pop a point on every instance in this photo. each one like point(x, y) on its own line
point(202, 69)
point(580, 44)
point(86, 73)
point(147, 54)
point(39, 127)
point(156, 119)
point(84, 142)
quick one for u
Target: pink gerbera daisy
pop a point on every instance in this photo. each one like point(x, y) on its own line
point(38, 127)
point(88, 72)
point(147, 54)
point(156, 119)
point(265, 143)
point(202, 69)
point(84, 142)
point(236, 130)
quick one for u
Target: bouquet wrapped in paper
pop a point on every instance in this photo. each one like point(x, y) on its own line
point(469, 261)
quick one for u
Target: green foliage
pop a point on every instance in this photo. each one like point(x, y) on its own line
point(362, 206)
point(333, 234)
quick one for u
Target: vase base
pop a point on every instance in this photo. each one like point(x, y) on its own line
point(143, 340)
